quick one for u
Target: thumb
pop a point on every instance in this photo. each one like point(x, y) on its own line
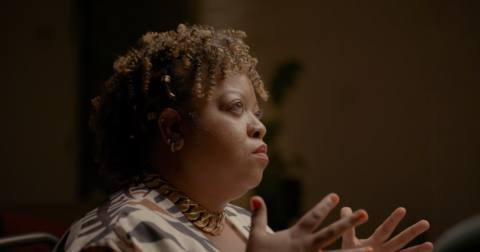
point(348, 237)
point(259, 214)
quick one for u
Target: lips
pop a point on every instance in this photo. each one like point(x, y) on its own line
point(261, 149)
point(261, 153)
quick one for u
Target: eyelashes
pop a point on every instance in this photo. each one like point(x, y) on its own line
point(238, 107)
point(259, 114)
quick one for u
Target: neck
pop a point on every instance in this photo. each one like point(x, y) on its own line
point(209, 222)
point(203, 193)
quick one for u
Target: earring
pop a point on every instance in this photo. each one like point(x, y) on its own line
point(176, 143)
point(172, 145)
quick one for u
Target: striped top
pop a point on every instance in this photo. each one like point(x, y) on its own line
point(140, 219)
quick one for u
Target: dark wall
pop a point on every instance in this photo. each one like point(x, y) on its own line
point(106, 30)
point(386, 110)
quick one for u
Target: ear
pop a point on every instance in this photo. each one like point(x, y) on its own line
point(169, 124)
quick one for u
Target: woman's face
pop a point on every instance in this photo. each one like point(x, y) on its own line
point(224, 149)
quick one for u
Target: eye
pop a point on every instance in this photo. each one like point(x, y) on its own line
point(237, 107)
point(259, 114)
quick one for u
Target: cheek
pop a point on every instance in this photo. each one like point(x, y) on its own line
point(222, 148)
point(224, 138)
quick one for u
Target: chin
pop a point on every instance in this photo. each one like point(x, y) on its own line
point(248, 179)
point(249, 182)
point(246, 187)
point(255, 180)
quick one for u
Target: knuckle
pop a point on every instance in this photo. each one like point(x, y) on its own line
point(325, 235)
point(413, 232)
point(295, 233)
point(305, 225)
point(319, 214)
point(255, 232)
point(344, 226)
point(352, 220)
point(316, 215)
point(384, 229)
point(402, 239)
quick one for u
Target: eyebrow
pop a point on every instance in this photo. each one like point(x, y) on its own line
point(239, 93)
point(233, 91)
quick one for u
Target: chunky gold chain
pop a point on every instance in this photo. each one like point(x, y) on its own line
point(205, 220)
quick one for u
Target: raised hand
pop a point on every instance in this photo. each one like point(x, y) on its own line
point(379, 241)
point(306, 234)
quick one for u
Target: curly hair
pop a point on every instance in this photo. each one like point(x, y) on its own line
point(164, 70)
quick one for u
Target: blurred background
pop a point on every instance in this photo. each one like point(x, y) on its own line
point(377, 101)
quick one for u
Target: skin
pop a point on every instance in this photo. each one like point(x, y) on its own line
point(380, 240)
point(216, 165)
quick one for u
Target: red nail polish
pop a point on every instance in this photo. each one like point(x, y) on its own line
point(334, 198)
point(255, 205)
point(362, 216)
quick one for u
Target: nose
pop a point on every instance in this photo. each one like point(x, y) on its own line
point(256, 129)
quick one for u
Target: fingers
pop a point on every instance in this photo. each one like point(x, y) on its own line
point(385, 230)
point(365, 249)
point(349, 236)
point(312, 219)
point(407, 235)
point(259, 216)
point(424, 247)
point(329, 234)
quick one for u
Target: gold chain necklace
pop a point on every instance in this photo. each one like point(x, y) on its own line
point(207, 221)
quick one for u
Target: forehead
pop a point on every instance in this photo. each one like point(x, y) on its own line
point(238, 83)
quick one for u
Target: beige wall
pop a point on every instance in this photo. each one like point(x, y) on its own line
point(386, 109)
point(39, 144)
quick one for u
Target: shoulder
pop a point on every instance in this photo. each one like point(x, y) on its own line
point(238, 213)
point(137, 219)
point(241, 217)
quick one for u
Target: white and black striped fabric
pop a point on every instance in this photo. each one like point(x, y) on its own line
point(140, 219)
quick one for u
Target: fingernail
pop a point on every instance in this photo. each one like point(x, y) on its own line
point(425, 223)
point(255, 205)
point(429, 244)
point(361, 215)
point(401, 210)
point(334, 198)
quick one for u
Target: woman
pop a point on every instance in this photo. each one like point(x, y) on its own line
point(178, 126)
